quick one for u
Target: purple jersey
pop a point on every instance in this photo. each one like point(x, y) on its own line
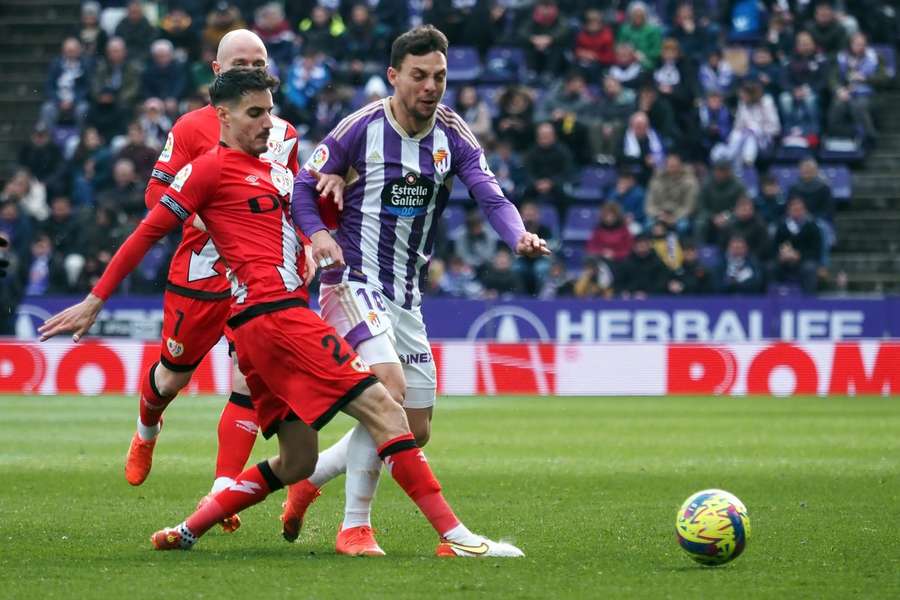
point(397, 189)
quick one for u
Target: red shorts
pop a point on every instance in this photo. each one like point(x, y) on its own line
point(191, 327)
point(298, 367)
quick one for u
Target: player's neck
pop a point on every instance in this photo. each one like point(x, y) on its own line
point(225, 142)
point(406, 121)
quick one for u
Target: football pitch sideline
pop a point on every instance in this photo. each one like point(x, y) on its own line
point(587, 487)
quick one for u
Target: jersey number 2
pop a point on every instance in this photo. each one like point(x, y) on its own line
point(330, 341)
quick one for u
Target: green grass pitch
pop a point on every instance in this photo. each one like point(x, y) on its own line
point(588, 487)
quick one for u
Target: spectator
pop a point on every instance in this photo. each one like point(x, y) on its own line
point(661, 115)
point(41, 155)
point(628, 69)
point(66, 91)
point(557, 283)
point(16, 227)
point(322, 31)
point(676, 81)
point(801, 122)
point(11, 290)
point(756, 125)
point(611, 239)
point(276, 33)
point(610, 116)
point(89, 169)
point(549, 165)
point(154, 122)
point(223, 18)
point(44, 273)
point(332, 105)
point(641, 148)
point(115, 88)
point(804, 68)
point(508, 168)
point(29, 193)
point(474, 111)
point(365, 45)
point(476, 244)
point(200, 72)
point(779, 34)
point(544, 36)
point(848, 120)
point(89, 33)
point(631, 197)
point(692, 278)
point(765, 70)
point(770, 204)
point(645, 37)
point(62, 226)
point(178, 27)
point(829, 35)
point(434, 282)
point(595, 43)
point(696, 38)
point(568, 105)
point(459, 280)
point(715, 121)
point(746, 224)
point(100, 239)
point(716, 74)
point(468, 23)
point(814, 190)
point(532, 271)
point(594, 281)
point(136, 31)
point(739, 272)
point(717, 198)
point(499, 279)
point(643, 273)
point(126, 196)
point(136, 149)
point(164, 76)
point(672, 196)
point(666, 244)
point(858, 71)
point(307, 77)
point(798, 243)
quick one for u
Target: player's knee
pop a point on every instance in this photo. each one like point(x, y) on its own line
point(296, 468)
point(239, 382)
point(396, 387)
point(421, 428)
point(168, 382)
point(378, 412)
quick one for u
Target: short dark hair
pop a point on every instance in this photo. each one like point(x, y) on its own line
point(418, 41)
point(230, 85)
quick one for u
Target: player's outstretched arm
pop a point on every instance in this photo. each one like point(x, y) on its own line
point(76, 319)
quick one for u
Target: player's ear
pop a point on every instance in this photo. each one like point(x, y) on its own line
point(392, 74)
point(216, 67)
point(223, 114)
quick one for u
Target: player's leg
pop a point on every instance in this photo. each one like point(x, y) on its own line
point(187, 336)
point(236, 431)
point(419, 371)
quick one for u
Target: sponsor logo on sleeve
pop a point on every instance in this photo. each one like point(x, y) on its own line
point(166, 154)
point(319, 158)
point(181, 177)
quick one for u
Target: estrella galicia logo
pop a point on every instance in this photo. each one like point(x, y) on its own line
point(408, 196)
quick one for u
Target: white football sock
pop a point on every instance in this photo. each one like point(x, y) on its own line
point(220, 484)
point(332, 462)
point(146, 432)
point(461, 535)
point(363, 471)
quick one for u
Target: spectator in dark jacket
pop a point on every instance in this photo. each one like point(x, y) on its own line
point(692, 278)
point(41, 155)
point(126, 196)
point(611, 238)
point(829, 35)
point(544, 35)
point(631, 197)
point(739, 273)
point(532, 271)
point(499, 278)
point(136, 30)
point(365, 45)
point(549, 165)
point(164, 76)
point(641, 149)
point(798, 243)
point(66, 91)
point(814, 190)
point(696, 37)
point(89, 33)
point(514, 121)
point(116, 85)
point(805, 67)
point(771, 202)
point(717, 198)
point(745, 223)
point(62, 226)
point(643, 273)
point(138, 151)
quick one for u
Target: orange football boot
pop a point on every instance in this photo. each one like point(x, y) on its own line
point(229, 524)
point(299, 497)
point(139, 458)
point(358, 541)
point(171, 539)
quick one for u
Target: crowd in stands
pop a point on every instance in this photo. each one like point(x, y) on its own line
point(638, 138)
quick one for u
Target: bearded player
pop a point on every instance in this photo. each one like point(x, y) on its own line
point(300, 371)
point(399, 156)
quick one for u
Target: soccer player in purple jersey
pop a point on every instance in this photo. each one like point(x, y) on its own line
point(398, 157)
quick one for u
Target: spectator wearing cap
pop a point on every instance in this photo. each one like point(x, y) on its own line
point(828, 33)
point(756, 124)
point(67, 86)
point(41, 155)
point(224, 17)
point(92, 37)
point(136, 31)
point(611, 238)
point(716, 201)
point(739, 273)
point(595, 42)
point(165, 77)
point(549, 164)
point(544, 35)
point(643, 273)
point(715, 121)
point(644, 36)
point(568, 106)
point(641, 148)
point(115, 89)
point(630, 195)
point(276, 33)
point(672, 195)
point(798, 246)
point(814, 190)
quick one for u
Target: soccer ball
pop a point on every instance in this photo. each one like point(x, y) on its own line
point(712, 526)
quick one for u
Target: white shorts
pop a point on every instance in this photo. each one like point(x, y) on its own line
point(383, 332)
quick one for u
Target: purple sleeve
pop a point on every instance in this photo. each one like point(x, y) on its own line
point(328, 157)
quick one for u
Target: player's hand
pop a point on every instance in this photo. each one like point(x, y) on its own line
point(532, 246)
point(330, 185)
point(310, 264)
point(199, 224)
point(76, 319)
point(325, 251)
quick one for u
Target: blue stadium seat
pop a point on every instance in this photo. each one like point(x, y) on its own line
point(888, 57)
point(573, 253)
point(490, 94)
point(454, 220)
point(592, 184)
point(550, 218)
point(750, 177)
point(503, 65)
point(838, 176)
point(463, 64)
point(842, 150)
point(579, 223)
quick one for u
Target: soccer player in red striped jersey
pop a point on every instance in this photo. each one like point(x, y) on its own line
point(299, 370)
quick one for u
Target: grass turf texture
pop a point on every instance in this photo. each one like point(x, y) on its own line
point(587, 487)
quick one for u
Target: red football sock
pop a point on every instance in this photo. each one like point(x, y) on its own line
point(251, 487)
point(408, 467)
point(152, 403)
point(237, 434)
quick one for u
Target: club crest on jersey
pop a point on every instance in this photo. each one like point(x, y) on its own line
point(408, 196)
point(181, 177)
point(373, 319)
point(359, 365)
point(441, 158)
point(166, 154)
point(176, 349)
point(318, 158)
point(282, 179)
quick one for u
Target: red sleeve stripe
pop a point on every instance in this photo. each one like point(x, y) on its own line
point(173, 205)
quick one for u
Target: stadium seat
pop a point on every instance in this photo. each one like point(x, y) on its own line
point(579, 223)
point(888, 57)
point(463, 64)
point(454, 220)
point(503, 65)
point(550, 218)
point(710, 256)
point(838, 176)
point(842, 150)
point(592, 184)
point(490, 94)
point(573, 254)
point(750, 177)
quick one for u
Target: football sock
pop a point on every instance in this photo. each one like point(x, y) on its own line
point(152, 405)
point(237, 434)
point(220, 484)
point(407, 465)
point(332, 462)
point(363, 472)
point(251, 487)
